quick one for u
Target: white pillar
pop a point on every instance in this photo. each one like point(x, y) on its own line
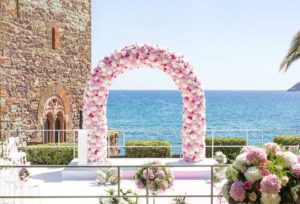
point(82, 147)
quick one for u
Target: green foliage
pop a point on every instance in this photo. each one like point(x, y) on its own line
point(230, 152)
point(231, 174)
point(43, 155)
point(141, 151)
point(277, 165)
point(285, 140)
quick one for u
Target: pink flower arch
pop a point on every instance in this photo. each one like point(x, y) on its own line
point(135, 56)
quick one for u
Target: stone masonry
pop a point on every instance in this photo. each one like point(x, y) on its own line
point(45, 50)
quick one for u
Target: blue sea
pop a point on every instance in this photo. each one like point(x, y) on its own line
point(157, 115)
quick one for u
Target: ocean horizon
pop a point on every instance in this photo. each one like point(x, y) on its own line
point(156, 114)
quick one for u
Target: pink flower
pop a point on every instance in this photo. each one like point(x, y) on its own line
point(257, 186)
point(248, 185)
point(140, 184)
point(256, 155)
point(165, 185)
point(296, 169)
point(270, 184)
point(237, 191)
point(266, 172)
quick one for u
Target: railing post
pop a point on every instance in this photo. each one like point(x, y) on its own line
point(119, 180)
point(247, 137)
point(108, 146)
point(147, 190)
point(74, 144)
point(212, 184)
point(262, 138)
point(212, 144)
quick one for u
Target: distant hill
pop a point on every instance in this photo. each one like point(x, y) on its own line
point(296, 87)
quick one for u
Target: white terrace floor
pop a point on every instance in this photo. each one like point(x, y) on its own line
point(50, 182)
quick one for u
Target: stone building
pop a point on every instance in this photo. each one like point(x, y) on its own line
point(45, 57)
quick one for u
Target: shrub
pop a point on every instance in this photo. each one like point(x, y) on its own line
point(39, 155)
point(142, 152)
point(286, 140)
point(230, 152)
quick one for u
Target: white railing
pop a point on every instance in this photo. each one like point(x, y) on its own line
point(252, 137)
point(212, 196)
point(255, 137)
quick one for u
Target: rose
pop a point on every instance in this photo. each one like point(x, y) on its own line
point(252, 196)
point(284, 180)
point(266, 172)
point(248, 185)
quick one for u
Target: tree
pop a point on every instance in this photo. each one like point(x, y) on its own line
point(293, 53)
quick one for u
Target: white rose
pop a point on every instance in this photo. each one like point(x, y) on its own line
point(270, 198)
point(240, 161)
point(253, 174)
point(290, 158)
point(225, 191)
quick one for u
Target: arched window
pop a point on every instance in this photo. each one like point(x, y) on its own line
point(54, 120)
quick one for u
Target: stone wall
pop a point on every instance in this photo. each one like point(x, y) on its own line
point(32, 64)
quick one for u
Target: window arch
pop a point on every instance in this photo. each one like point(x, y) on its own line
point(54, 120)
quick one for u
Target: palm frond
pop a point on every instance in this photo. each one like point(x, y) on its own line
point(293, 53)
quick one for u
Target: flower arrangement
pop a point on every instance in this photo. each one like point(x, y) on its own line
point(180, 200)
point(107, 176)
point(266, 175)
point(24, 175)
point(156, 57)
point(126, 197)
point(159, 178)
point(219, 172)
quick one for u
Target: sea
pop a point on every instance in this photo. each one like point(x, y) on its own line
point(156, 115)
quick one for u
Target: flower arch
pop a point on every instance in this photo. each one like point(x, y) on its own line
point(134, 56)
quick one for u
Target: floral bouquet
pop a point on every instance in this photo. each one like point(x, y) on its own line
point(126, 197)
point(219, 172)
point(159, 178)
point(24, 175)
point(266, 175)
point(107, 176)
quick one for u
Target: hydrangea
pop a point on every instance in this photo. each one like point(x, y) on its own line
point(270, 198)
point(256, 155)
point(296, 169)
point(290, 158)
point(231, 174)
point(240, 161)
point(272, 148)
point(237, 191)
point(253, 174)
point(270, 184)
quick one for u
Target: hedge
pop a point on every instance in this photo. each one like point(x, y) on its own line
point(230, 152)
point(142, 152)
point(39, 155)
point(286, 140)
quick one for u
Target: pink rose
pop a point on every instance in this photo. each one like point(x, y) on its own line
point(248, 185)
point(266, 172)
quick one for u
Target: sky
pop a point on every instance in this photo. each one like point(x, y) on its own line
point(232, 45)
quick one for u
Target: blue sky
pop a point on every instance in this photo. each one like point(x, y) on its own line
point(233, 45)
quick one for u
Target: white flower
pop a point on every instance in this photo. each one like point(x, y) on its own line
point(290, 158)
point(271, 147)
point(253, 174)
point(225, 191)
point(220, 157)
point(270, 198)
point(240, 161)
